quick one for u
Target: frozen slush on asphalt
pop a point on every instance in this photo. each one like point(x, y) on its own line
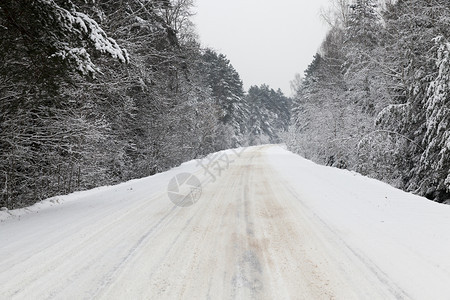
point(272, 226)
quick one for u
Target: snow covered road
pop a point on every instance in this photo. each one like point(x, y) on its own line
point(269, 225)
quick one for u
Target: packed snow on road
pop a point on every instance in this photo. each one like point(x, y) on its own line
point(256, 223)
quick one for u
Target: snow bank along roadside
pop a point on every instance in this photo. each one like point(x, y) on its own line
point(116, 193)
point(405, 236)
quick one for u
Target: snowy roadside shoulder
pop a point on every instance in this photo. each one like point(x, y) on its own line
point(155, 183)
point(5, 213)
point(404, 235)
point(135, 187)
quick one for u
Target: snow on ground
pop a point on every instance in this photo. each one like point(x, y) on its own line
point(268, 224)
point(117, 194)
point(405, 236)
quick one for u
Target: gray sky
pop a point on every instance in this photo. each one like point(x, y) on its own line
point(266, 41)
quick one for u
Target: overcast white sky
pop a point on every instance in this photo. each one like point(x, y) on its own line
point(266, 41)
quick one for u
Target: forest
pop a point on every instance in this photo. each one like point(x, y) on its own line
point(99, 92)
point(375, 98)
